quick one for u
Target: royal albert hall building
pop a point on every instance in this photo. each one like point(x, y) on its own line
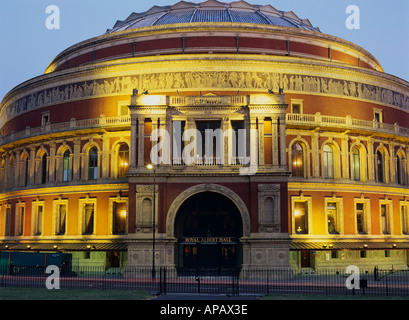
point(321, 182)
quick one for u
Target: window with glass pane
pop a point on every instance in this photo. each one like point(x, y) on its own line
point(332, 217)
point(211, 147)
point(7, 221)
point(38, 220)
point(178, 143)
point(360, 218)
point(356, 164)
point(93, 164)
point(301, 217)
point(404, 218)
point(44, 169)
point(268, 216)
point(89, 218)
point(147, 211)
point(384, 219)
point(61, 219)
point(238, 142)
point(296, 108)
point(123, 160)
point(25, 172)
point(120, 215)
point(297, 160)
point(380, 166)
point(66, 166)
point(20, 220)
point(328, 162)
point(400, 171)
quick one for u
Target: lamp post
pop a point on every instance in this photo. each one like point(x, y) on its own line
point(151, 167)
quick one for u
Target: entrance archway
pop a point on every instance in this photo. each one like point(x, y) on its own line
point(208, 226)
point(176, 204)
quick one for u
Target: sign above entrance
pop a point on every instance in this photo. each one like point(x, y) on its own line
point(215, 240)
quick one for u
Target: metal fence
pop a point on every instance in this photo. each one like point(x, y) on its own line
point(227, 281)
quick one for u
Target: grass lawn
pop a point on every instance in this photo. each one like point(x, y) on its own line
point(69, 294)
point(330, 297)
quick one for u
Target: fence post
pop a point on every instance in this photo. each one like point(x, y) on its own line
point(232, 283)
point(268, 281)
point(164, 280)
point(160, 281)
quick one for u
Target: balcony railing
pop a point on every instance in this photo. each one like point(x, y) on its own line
point(208, 101)
point(101, 122)
point(309, 120)
point(345, 123)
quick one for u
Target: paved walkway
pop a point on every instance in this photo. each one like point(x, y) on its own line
point(203, 296)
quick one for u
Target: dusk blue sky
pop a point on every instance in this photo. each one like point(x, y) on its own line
point(27, 46)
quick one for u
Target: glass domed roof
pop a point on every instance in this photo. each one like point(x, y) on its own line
point(212, 11)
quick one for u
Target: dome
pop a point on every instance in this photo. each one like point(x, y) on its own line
point(212, 11)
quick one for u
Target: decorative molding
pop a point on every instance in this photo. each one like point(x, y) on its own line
point(173, 210)
point(206, 80)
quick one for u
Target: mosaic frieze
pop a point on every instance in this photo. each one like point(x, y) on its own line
point(206, 80)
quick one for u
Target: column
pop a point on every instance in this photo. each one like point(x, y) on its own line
point(253, 144)
point(155, 126)
point(18, 172)
point(283, 142)
point(105, 156)
point(32, 166)
point(315, 154)
point(392, 162)
point(166, 145)
point(77, 159)
point(133, 147)
point(7, 173)
point(274, 140)
point(51, 168)
point(406, 168)
point(261, 161)
point(226, 141)
point(169, 128)
point(345, 156)
point(371, 169)
point(141, 137)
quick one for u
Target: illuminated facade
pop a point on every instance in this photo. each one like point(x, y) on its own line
point(328, 185)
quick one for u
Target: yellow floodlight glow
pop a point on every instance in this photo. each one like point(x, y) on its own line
point(151, 100)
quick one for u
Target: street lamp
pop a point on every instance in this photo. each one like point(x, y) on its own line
point(151, 167)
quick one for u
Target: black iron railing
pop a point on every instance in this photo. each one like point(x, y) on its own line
point(226, 281)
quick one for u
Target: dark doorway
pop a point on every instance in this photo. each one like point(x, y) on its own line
point(208, 226)
point(305, 259)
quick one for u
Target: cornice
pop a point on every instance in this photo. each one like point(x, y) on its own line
point(335, 186)
point(137, 70)
point(232, 28)
point(73, 188)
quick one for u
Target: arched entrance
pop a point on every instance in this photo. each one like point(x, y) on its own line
point(208, 226)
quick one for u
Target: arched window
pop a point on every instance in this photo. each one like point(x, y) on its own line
point(25, 171)
point(356, 164)
point(66, 159)
point(11, 173)
point(400, 169)
point(297, 160)
point(2, 174)
point(93, 163)
point(123, 160)
point(380, 167)
point(328, 165)
point(147, 211)
point(269, 210)
point(44, 168)
point(119, 217)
